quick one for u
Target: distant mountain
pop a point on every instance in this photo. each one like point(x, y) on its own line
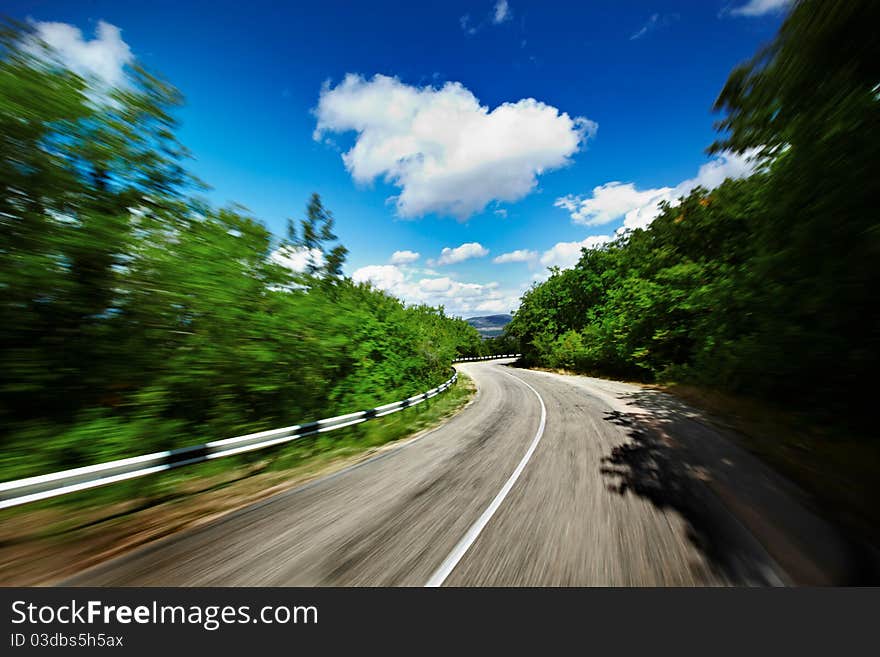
point(490, 326)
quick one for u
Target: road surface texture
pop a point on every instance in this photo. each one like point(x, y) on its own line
point(543, 480)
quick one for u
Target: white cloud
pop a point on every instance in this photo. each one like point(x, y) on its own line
point(404, 257)
point(456, 296)
point(466, 26)
point(468, 250)
point(655, 22)
point(650, 25)
point(638, 208)
point(447, 153)
point(520, 255)
point(297, 258)
point(103, 59)
point(496, 306)
point(760, 7)
point(566, 254)
point(385, 277)
point(608, 202)
point(502, 12)
point(443, 284)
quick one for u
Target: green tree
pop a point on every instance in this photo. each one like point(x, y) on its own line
point(765, 286)
point(138, 317)
point(315, 238)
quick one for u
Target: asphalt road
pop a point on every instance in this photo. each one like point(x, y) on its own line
point(543, 480)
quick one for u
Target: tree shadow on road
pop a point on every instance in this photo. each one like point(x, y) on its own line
point(645, 467)
point(680, 459)
point(654, 467)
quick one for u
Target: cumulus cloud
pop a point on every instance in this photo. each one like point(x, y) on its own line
point(385, 277)
point(404, 257)
point(443, 284)
point(497, 306)
point(760, 7)
point(458, 297)
point(447, 153)
point(566, 254)
point(468, 250)
point(102, 59)
point(638, 208)
point(520, 255)
point(501, 12)
point(608, 202)
point(297, 259)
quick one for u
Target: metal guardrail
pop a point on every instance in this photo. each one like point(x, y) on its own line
point(32, 489)
point(464, 360)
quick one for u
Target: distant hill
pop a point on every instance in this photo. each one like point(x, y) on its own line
point(490, 326)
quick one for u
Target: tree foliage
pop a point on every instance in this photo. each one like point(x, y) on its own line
point(137, 318)
point(765, 286)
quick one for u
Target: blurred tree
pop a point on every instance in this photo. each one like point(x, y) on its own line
point(809, 100)
point(314, 239)
point(766, 285)
point(137, 317)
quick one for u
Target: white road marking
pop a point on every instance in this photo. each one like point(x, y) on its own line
point(468, 539)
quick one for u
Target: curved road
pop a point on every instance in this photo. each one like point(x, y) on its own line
point(542, 480)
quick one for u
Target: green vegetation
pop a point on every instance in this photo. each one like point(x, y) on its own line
point(765, 286)
point(44, 542)
point(136, 317)
point(762, 293)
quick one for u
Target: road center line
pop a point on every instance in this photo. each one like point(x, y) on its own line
point(468, 539)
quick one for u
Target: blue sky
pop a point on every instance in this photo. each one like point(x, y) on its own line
point(524, 128)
